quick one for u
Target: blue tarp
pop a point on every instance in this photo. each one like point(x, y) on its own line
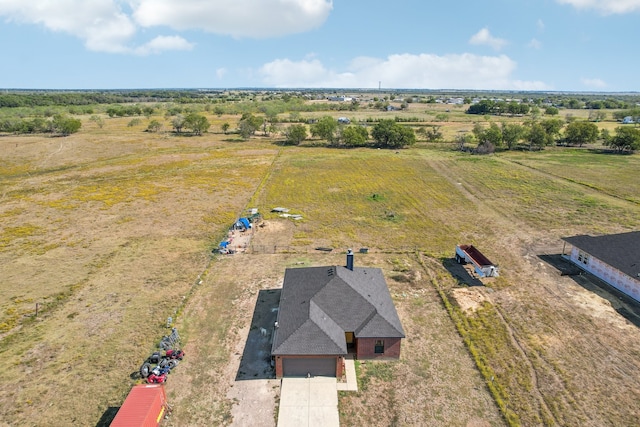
point(245, 222)
point(224, 244)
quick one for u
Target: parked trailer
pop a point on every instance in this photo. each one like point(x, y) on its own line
point(481, 264)
point(145, 406)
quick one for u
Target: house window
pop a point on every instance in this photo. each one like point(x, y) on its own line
point(583, 257)
point(379, 347)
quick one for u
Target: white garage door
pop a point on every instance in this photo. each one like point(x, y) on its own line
point(325, 367)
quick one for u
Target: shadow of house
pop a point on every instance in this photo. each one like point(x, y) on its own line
point(256, 357)
point(460, 273)
point(626, 306)
point(108, 416)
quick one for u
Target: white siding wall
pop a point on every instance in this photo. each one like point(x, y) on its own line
point(615, 278)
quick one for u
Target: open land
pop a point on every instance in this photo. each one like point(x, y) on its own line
point(109, 231)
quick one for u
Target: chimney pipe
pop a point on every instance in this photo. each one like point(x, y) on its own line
point(350, 259)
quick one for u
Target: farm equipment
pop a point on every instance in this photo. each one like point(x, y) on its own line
point(481, 264)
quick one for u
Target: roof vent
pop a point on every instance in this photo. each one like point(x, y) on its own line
point(350, 259)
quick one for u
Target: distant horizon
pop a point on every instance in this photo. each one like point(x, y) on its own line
point(328, 89)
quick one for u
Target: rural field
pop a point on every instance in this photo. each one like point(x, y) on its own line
point(109, 231)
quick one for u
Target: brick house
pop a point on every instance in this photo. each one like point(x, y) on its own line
point(613, 258)
point(328, 312)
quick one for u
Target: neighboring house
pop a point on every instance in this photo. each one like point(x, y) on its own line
point(627, 120)
point(328, 312)
point(340, 98)
point(613, 258)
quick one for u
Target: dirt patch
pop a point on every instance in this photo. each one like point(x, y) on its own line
point(469, 299)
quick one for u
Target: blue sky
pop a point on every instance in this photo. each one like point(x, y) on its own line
point(559, 45)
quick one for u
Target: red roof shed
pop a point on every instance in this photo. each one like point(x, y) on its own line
point(144, 407)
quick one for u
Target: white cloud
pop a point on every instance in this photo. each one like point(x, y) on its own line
point(111, 25)
point(425, 71)
point(220, 73)
point(605, 6)
point(540, 25)
point(535, 44)
point(237, 18)
point(484, 37)
point(100, 23)
point(164, 43)
point(593, 83)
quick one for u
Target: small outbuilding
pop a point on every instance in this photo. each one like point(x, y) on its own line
point(613, 258)
point(145, 406)
point(328, 312)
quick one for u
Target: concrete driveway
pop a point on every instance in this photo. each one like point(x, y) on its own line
point(308, 402)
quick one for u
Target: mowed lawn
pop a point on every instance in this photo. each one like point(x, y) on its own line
point(110, 229)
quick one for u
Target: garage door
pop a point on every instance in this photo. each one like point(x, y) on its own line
point(325, 367)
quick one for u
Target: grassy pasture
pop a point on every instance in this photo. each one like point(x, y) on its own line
point(371, 198)
point(606, 173)
point(106, 230)
point(110, 228)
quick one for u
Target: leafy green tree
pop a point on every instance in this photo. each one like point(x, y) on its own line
point(511, 134)
point(536, 135)
point(178, 123)
point(625, 139)
point(326, 128)
point(197, 123)
point(432, 134)
point(597, 116)
point(551, 111)
point(389, 134)
point(154, 126)
point(249, 124)
point(355, 136)
point(65, 125)
point(295, 134)
point(133, 122)
point(225, 127)
point(552, 128)
point(578, 133)
point(488, 139)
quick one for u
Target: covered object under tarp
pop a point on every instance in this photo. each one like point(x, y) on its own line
point(242, 223)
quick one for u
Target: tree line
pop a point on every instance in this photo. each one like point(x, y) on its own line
point(58, 124)
point(386, 133)
point(538, 134)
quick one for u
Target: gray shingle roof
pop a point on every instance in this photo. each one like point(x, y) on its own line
point(319, 304)
point(621, 251)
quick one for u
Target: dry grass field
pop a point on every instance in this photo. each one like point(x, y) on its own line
point(110, 230)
